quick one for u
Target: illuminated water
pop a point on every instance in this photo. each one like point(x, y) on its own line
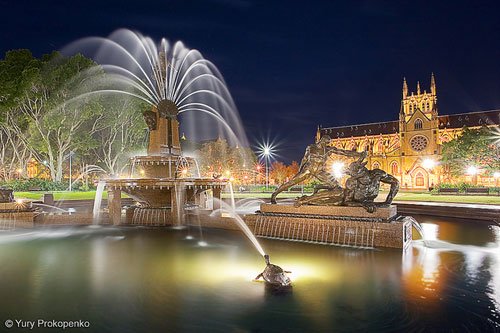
point(147, 280)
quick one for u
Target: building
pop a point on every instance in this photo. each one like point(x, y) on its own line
point(410, 148)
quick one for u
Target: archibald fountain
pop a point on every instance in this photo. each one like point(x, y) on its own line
point(165, 181)
point(160, 181)
point(172, 80)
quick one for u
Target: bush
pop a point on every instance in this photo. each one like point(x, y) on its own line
point(461, 186)
point(33, 184)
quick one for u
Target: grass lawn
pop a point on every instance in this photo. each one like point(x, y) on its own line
point(402, 196)
point(61, 195)
point(477, 199)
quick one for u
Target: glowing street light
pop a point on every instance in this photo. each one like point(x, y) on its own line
point(472, 170)
point(496, 176)
point(428, 164)
point(338, 169)
point(266, 151)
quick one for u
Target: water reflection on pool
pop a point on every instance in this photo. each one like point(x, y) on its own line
point(138, 279)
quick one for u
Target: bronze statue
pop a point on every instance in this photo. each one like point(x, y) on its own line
point(6, 195)
point(361, 188)
point(313, 166)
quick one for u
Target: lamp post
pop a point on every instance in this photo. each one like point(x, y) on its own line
point(496, 176)
point(429, 165)
point(472, 170)
point(71, 153)
point(266, 151)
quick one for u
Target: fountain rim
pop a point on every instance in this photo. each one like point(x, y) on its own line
point(140, 182)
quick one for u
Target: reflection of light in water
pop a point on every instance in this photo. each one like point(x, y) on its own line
point(179, 227)
point(202, 243)
point(99, 263)
point(493, 290)
point(473, 262)
point(496, 233)
point(428, 258)
point(189, 237)
point(429, 261)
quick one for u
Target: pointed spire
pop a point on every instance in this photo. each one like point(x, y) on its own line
point(418, 87)
point(433, 84)
point(183, 137)
point(405, 88)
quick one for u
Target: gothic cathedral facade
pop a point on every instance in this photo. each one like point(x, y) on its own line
point(410, 148)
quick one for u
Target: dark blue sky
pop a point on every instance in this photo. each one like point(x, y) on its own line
point(293, 65)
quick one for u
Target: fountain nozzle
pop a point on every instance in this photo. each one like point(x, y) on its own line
point(266, 258)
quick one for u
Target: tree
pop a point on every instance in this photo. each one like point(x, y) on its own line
point(278, 172)
point(121, 132)
point(15, 73)
point(218, 157)
point(292, 169)
point(474, 147)
point(42, 108)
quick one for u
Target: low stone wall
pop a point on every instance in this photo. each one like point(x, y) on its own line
point(17, 219)
point(322, 229)
point(394, 234)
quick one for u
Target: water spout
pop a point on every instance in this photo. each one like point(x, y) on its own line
point(98, 200)
point(239, 221)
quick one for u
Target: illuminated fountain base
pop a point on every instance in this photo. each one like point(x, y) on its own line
point(333, 225)
point(161, 201)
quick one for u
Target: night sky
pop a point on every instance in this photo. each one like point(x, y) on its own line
point(294, 65)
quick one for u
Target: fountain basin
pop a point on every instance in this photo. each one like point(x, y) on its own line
point(168, 194)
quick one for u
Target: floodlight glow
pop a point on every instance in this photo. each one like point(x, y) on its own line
point(496, 175)
point(266, 150)
point(338, 169)
point(428, 163)
point(472, 170)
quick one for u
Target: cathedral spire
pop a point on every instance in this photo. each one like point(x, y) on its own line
point(405, 88)
point(418, 87)
point(433, 84)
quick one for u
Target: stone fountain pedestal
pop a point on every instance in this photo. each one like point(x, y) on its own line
point(161, 200)
point(335, 225)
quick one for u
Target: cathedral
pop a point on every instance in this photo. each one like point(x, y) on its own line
point(410, 148)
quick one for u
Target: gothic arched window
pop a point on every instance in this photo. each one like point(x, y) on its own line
point(418, 124)
point(419, 179)
point(394, 168)
point(376, 165)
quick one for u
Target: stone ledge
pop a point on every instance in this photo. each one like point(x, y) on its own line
point(360, 212)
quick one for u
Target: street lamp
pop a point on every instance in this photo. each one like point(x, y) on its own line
point(472, 170)
point(70, 156)
point(266, 151)
point(428, 164)
point(496, 176)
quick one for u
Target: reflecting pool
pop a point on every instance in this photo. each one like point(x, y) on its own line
point(140, 279)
